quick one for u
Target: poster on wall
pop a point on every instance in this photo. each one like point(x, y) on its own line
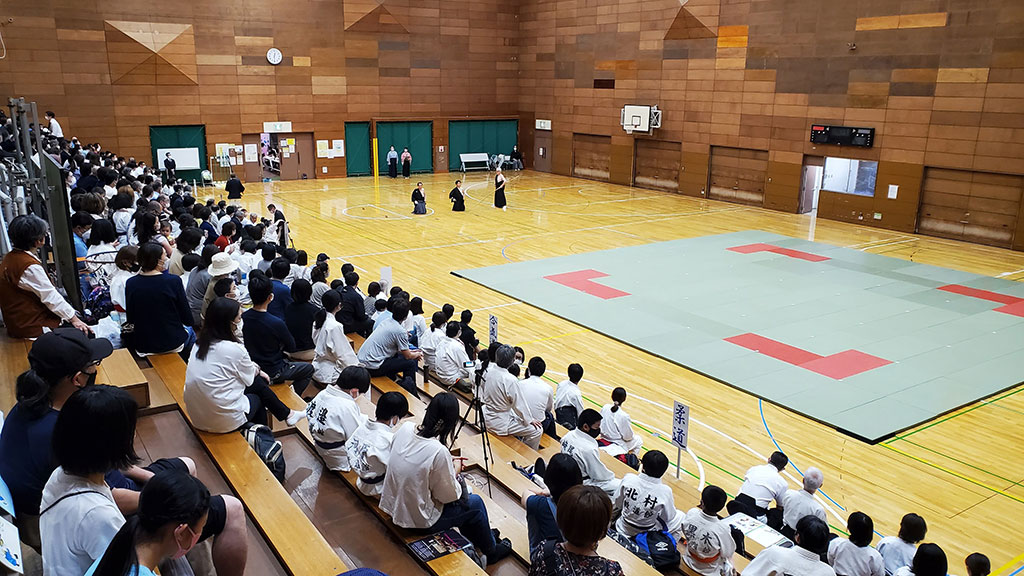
point(339, 148)
point(322, 148)
point(251, 153)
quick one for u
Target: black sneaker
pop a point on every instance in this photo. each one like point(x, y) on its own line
point(501, 551)
point(539, 467)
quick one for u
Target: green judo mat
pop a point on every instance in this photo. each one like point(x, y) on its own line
point(868, 344)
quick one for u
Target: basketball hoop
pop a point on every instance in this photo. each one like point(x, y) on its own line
point(628, 129)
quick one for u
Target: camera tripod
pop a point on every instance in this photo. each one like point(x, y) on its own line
point(476, 407)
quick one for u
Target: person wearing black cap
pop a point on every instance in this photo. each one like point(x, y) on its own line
point(60, 362)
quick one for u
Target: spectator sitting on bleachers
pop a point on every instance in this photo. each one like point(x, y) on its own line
point(468, 334)
point(539, 396)
point(373, 291)
point(582, 445)
point(616, 426)
point(856, 557)
point(432, 339)
point(221, 266)
point(709, 541)
point(761, 485)
point(422, 489)
point(505, 410)
point(803, 559)
point(453, 367)
point(174, 509)
point(224, 388)
point(643, 503)
point(561, 473)
point(799, 503)
point(267, 338)
point(199, 282)
point(101, 253)
point(318, 278)
point(60, 362)
point(279, 270)
point(583, 516)
point(332, 351)
point(299, 317)
point(977, 564)
point(93, 434)
point(898, 551)
point(569, 399)
point(369, 447)
point(353, 310)
point(157, 306)
point(186, 243)
point(29, 301)
point(386, 352)
point(268, 254)
point(416, 318)
point(246, 257)
point(333, 416)
point(929, 560)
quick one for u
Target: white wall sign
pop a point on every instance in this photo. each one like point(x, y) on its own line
point(277, 127)
point(542, 124)
point(894, 190)
point(493, 329)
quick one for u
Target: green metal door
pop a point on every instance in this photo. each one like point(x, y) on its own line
point(471, 136)
point(174, 137)
point(417, 136)
point(357, 144)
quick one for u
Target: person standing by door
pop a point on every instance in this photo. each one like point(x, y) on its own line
point(499, 190)
point(392, 163)
point(406, 162)
point(457, 197)
point(170, 167)
point(234, 187)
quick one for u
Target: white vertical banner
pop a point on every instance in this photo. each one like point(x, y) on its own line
point(492, 324)
point(680, 430)
point(385, 278)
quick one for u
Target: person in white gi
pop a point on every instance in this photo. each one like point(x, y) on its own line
point(581, 444)
point(369, 447)
point(801, 560)
point(451, 362)
point(856, 557)
point(799, 503)
point(616, 427)
point(430, 340)
point(898, 551)
point(568, 398)
point(332, 351)
point(506, 412)
point(333, 416)
point(709, 541)
point(761, 485)
point(643, 503)
point(539, 395)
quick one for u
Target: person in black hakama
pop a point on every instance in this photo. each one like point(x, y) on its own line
point(457, 197)
point(406, 162)
point(393, 163)
point(234, 187)
point(499, 190)
point(419, 201)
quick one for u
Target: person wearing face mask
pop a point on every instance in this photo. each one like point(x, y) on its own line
point(224, 388)
point(333, 416)
point(582, 445)
point(369, 447)
point(29, 301)
point(505, 407)
point(173, 511)
point(60, 362)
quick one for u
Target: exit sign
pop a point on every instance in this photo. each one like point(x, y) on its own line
point(277, 127)
point(543, 124)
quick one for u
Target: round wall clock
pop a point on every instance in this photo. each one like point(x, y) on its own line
point(274, 56)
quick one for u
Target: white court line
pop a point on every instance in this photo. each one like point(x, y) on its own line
point(865, 249)
point(1010, 273)
point(354, 265)
point(495, 306)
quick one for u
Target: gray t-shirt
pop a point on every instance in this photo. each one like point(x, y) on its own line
point(387, 340)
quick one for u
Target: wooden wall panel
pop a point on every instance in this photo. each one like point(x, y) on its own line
point(738, 175)
point(973, 206)
point(591, 156)
point(657, 164)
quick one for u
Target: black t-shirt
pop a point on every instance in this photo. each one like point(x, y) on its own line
point(299, 319)
point(27, 460)
point(267, 339)
point(158, 308)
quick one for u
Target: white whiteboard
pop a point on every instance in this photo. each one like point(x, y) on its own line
point(186, 158)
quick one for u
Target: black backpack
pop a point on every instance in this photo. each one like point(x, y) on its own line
point(261, 439)
point(661, 549)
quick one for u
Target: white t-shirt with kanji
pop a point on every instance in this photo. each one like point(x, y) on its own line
point(369, 449)
point(646, 504)
point(333, 416)
point(709, 544)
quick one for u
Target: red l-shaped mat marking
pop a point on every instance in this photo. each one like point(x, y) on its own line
point(582, 280)
point(1013, 305)
point(837, 366)
point(762, 247)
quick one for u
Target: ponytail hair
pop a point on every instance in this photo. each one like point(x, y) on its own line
point(330, 301)
point(486, 358)
point(32, 392)
point(618, 397)
point(169, 499)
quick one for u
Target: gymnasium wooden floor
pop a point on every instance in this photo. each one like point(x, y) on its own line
point(963, 472)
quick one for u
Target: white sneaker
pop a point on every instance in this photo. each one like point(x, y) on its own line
point(294, 417)
point(504, 208)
